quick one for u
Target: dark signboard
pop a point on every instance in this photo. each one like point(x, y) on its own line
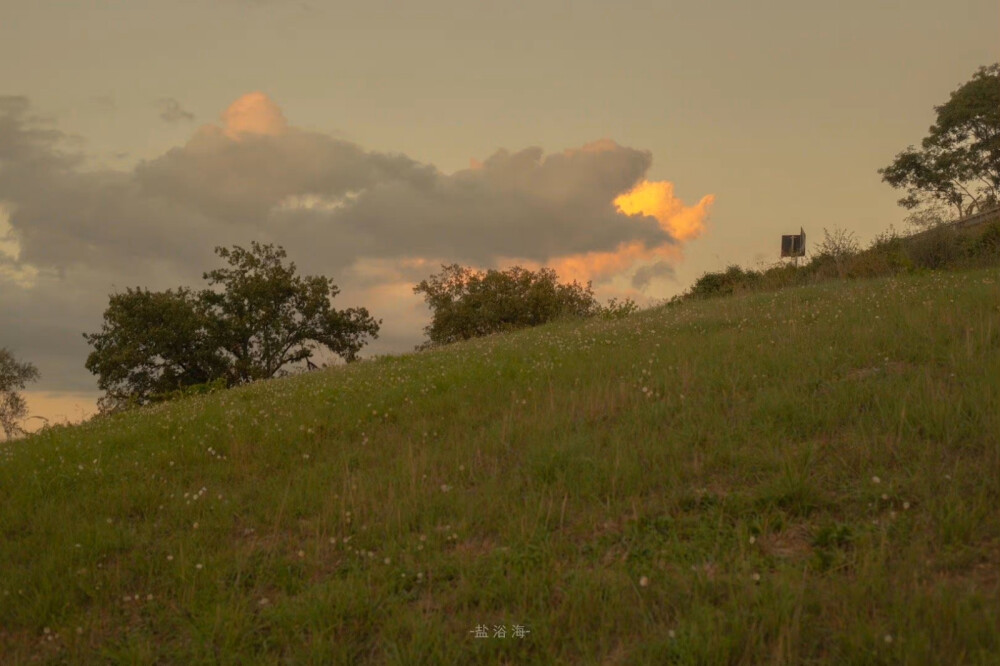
point(794, 245)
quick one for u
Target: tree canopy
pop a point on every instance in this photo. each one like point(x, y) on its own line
point(257, 317)
point(14, 376)
point(958, 163)
point(467, 303)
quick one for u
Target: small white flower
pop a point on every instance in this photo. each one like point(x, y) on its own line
point(753, 540)
point(644, 582)
point(198, 566)
point(756, 577)
point(875, 479)
point(888, 638)
point(906, 506)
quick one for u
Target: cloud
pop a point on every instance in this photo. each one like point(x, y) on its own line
point(646, 274)
point(253, 113)
point(171, 111)
point(374, 221)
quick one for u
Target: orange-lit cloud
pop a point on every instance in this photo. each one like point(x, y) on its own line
point(254, 113)
point(654, 199)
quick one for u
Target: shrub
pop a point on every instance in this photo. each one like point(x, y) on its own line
point(936, 248)
point(782, 275)
point(839, 245)
point(468, 303)
point(732, 280)
point(616, 309)
point(988, 243)
point(885, 256)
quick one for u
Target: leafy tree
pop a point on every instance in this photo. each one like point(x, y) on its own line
point(267, 317)
point(468, 303)
point(14, 376)
point(258, 317)
point(958, 164)
point(153, 343)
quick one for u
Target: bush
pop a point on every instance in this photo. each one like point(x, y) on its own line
point(936, 248)
point(782, 275)
point(732, 280)
point(616, 309)
point(839, 245)
point(988, 243)
point(468, 303)
point(885, 256)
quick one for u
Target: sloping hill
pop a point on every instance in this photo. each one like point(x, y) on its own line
point(806, 476)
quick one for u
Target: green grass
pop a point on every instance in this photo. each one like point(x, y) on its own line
point(797, 477)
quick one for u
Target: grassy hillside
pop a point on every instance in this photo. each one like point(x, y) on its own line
point(806, 476)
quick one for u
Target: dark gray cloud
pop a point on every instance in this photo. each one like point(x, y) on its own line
point(338, 209)
point(646, 274)
point(172, 112)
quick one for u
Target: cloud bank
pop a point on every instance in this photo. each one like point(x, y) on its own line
point(376, 222)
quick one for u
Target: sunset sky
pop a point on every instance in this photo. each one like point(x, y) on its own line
point(636, 145)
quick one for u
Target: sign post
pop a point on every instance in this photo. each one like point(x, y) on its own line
point(794, 246)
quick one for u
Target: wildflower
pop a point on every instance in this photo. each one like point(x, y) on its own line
point(875, 479)
point(753, 540)
point(198, 566)
point(644, 582)
point(756, 577)
point(906, 505)
point(888, 638)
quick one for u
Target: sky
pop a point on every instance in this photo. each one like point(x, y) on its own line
point(633, 144)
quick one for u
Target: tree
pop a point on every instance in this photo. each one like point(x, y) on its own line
point(468, 303)
point(151, 344)
point(258, 317)
point(958, 164)
point(14, 376)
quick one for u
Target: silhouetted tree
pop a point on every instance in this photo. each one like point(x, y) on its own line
point(958, 163)
point(259, 318)
point(14, 376)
